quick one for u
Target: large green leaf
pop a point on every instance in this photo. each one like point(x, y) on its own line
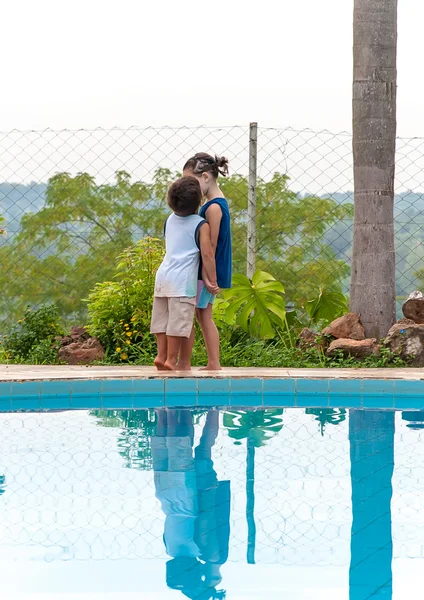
point(327, 306)
point(258, 305)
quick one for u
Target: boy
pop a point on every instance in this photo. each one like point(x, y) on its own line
point(186, 237)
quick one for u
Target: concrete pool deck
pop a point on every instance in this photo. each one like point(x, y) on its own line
point(44, 388)
point(65, 372)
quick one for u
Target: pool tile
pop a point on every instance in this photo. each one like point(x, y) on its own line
point(246, 392)
point(409, 394)
point(5, 399)
point(378, 393)
point(312, 393)
point(279, 392)
point(55, 395)
point(26, 396)
point(5, 391)
point(5, 405)
point(409, 403)
point(213, 392)
point(117, 393)
point(148, 393)
point(180, 392)
point(345, 393)
point(87, 387)
point(119, 403)
point(86, 394)
point(26, 403)
point(86, 403)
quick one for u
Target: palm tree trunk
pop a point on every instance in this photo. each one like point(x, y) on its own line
point(373, 291)
point(250, 504)
point(371, 436)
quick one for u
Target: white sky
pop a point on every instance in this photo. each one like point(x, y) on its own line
point(155, 62)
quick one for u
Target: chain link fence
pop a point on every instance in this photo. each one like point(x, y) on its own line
point(268, 487)
point(73, 200)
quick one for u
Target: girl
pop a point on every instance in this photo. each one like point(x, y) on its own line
point(206, 169)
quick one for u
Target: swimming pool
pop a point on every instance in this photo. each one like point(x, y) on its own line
point(298, 503)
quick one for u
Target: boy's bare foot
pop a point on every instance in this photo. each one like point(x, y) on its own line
point(211, 367)
point(160, 364)
point(183, 366)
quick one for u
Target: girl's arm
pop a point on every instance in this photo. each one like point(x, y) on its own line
point(208, 259)
point(213, 217)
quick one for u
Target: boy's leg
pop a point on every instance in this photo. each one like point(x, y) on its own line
point(174, 347)
point(160, 359)
point(180, 326)
point(211, 337)
point(158, 328)
point(184, 363)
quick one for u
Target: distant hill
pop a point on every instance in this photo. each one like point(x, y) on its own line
point(16, 199)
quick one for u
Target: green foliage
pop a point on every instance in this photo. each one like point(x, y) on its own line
point(326, 307)
point(256, 306)
point(258, 426)
point(32, 339)
point(137, 426)
point(327, 416)
point(72, 243)
point(120, 311)
point(291, 235)
point(2, 230)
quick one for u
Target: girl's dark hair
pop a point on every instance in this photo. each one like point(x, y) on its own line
point(205, 163)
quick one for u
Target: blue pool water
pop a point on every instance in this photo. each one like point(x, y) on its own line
point(311, 503)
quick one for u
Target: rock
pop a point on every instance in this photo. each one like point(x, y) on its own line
point(356, 348)
point(310, 339)
point(406, 338)
point(64, 341)
point(413, 308)
point(346, 327)
point(82, 353)
point(79, 333)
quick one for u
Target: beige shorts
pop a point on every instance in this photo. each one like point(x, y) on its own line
point(173, 316)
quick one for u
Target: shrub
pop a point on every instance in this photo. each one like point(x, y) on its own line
point(120, 311)
point(32, 339)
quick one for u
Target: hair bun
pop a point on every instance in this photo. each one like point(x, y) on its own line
point(222, 164)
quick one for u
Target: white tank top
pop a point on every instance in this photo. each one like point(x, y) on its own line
point(178, 274)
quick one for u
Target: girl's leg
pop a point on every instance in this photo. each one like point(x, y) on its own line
point(162, 351)
point(184, 363)
point(211, 337)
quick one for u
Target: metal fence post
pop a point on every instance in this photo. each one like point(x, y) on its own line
point(251, 200)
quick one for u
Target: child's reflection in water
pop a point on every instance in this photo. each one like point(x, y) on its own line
point(196, 504)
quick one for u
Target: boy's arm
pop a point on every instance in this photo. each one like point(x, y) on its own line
point(213, 217)
point(208, 259)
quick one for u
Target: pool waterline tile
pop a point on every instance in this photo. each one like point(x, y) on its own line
point(180, 392)
point(345, 393)
point(301, 392)
point(213, 392)
point(378, 393)
point(148, 393)
point(55, 395)
point(246, 392)
point(5, 391)
point(117, 393)
point(312, 393)
point(279, 392)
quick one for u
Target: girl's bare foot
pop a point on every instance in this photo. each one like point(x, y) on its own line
point(211, 367)
point(170, 366)
point(183, 366)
